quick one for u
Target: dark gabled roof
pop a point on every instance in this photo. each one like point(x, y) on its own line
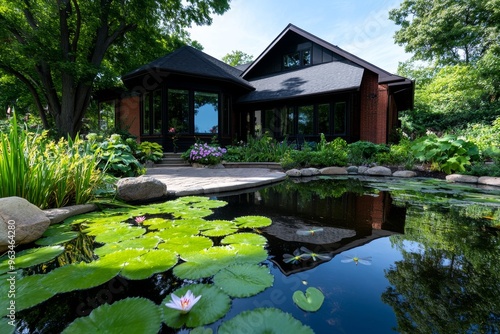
point(190, 61)
point(384, 76)
point(324, 78)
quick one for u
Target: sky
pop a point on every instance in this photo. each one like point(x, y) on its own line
point(361, 27)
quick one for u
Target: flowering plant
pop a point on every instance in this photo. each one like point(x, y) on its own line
point(174, 138)
point(205, 154)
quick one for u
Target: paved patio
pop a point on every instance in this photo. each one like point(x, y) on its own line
point(183, 181)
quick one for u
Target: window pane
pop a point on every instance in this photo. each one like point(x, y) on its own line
point(206, 113)
point(291, 60)
point(286, 119)
point(145, 114)
point(324, 118)
point(107, 115)
point(306, 57)
point(306, 120)
point(178, 110)
point(339, 118)
point(156, 112)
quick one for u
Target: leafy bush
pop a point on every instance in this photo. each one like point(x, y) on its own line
point(399, 154)
point(149, 151)
point(117, 157)
point(46, 173)
point(448, 153)
point(364, 152)
point(204, 154)
point(262, 149)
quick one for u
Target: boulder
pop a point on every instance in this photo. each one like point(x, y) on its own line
point(333, 171)
point(352, 170)
point(404, 173)
point(293, 173)
point(20, 220)
point(378, 171)
point(58, 215)
point(306, 172)
point(142, 188)
point(313, 170)
point(489, 180)
point(461, 178)
point(362, 169)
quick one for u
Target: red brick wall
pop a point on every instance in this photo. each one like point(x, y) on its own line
point(373, 110)
point(130, 115)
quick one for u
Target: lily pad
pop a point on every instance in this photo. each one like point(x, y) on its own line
point(205, 263)
point(31, 257)
point(152, 262)
point(158, 223)
point(57, 239)
point(190, 212)
point(6, 328)
point(125, 232)
point(177, 232)
point(144, 242)
point(57, 229)
point(245, 238)
point(219, 228)
point(244, 280)
point(271, 320)
point(186, 245)
point(311, 301)
point(253, 221)
point(130, 315)
point(249, 253)
point(213, 305)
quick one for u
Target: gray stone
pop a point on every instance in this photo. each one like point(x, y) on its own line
point(26, 221)
point(362, 169)
point(58, 215)
point(306, 172)
point(333, 171)
point(142, 188)
point(293, 173)
point(404, 173)
point(461, 178)
point(378, 171)
point(489, 180)
point(313, 170)
point(352, 170)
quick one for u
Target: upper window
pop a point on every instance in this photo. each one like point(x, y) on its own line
point(296, 59)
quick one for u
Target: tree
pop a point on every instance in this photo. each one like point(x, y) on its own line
point(447, 31)
point(62, 49)
point(237, 57)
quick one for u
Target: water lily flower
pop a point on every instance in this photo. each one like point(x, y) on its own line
point(140, 219)
point(183, 303)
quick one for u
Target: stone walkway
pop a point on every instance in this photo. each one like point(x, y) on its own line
point(184, 181)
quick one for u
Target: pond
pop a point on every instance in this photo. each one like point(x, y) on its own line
point(329, 255)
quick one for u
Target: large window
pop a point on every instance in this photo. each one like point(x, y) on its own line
point(206, 112)
point(151, 113)
point(297, 58)
point(306, 120)
point(324, 118)
point(286, 121)
point(339, 118)
point(178, 111)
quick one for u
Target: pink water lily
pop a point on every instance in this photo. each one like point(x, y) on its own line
point(184, 303)
point(140, 219)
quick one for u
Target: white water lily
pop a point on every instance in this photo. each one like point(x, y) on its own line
point(184, 303)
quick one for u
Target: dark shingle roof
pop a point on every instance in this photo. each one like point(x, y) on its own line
point(323, 78)
point(190, 61)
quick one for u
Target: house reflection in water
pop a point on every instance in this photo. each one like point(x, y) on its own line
point(344, 217)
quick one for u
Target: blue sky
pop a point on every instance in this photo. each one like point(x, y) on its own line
point(361, 27)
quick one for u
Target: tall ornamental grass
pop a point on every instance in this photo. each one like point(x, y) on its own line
point(47, 173)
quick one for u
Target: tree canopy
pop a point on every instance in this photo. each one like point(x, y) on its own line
point(237, 57)
point(62, 50)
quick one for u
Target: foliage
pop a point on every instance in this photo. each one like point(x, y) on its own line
point(310, 301)
point(47, 173)
point(237, 57)
point(448, 153)
point(364, 152)
point(260, 149)
point(204, 154)
point(62, 51)
point(333, 153)
point(117, 157)
point(149, 151)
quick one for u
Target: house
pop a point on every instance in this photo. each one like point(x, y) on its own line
point(300, 86)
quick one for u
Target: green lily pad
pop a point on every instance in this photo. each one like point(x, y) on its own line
point(311, 301)
point(186, 245)
point(253, 221)
point(130, 315)
point(6, 328)
point(190, 212)
point(219, 228)
point(120, 234)
point(96, 229)
point(57, 229)
point(205, 263)
point(57, 239)
point(213, 305)
point(249, 253)
point(152, 262)
point(31, 257)
point(271, 320)
point(120, 258)
point(78, 277)
point(201, 330)
point(245, 238)
point(244, 280)
point(158, 223)
point(144, 242)
point(177, 232)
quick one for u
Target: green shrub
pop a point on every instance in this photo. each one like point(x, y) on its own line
point(364, 152)
point(448, 153)
point(262, 149)
point(149, 151)
point(204, 154)
point(46, 173)
point(398, 155)
point(117, 157)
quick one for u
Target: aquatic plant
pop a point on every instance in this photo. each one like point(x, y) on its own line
point(183, 303)
point(310, 301)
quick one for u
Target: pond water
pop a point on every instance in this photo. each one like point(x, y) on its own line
point(399, 256)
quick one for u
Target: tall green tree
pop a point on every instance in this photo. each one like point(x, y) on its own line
point(62, 49)
point(237, 57)
point(448, 31)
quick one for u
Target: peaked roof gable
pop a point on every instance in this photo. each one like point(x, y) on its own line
point(384, 76)
point(190, 61)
